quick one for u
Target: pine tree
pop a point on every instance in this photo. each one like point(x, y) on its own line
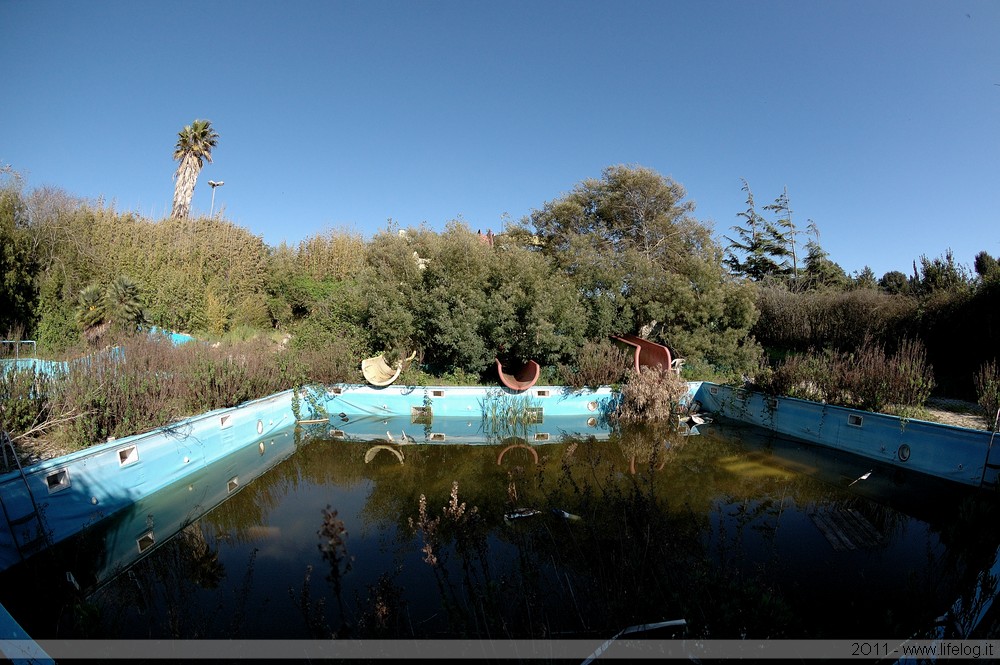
point(760, 250)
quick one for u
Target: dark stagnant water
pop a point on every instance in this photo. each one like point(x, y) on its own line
point(740, 534)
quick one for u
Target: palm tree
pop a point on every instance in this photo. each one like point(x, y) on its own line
point(194, 144)
point(90, 309)
point(123, 304)
point(117, 305)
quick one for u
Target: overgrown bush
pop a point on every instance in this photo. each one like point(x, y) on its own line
point(145, 383)
point(597, 364)
point(23, 399)
point(867, 378)
point(652, 394)
point(804, 375)
point(106, 395)
point(987, 382)
point(839, 320)
point(213, 377)
point(334, 364)
point(903, 379)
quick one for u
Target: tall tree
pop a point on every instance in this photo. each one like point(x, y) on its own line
point(941, 274)
point(782, 209)
point(987, 267)
point(640, 261)
point(194, 147)
point(18, 258)
point(760, 249)
point(819, 270)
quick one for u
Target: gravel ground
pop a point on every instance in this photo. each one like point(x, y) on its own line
point(955, 412)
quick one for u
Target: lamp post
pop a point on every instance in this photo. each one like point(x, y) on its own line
point(213, 185)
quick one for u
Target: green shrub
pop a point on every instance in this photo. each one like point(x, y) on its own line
point(214, 377)
point(987, 382)
point(23, 399)
point(106, 396)
point(868, 378)
point(597, 364)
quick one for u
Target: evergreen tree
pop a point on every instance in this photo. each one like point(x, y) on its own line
point(986, 267)
point(895, 283)
point(865, 279)
point(785, 228)
point(940, 274)
point(819, 270)
point(760, 249)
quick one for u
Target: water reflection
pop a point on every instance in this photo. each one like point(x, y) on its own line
point(580, 534)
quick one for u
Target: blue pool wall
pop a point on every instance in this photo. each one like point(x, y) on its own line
point(954, 453)
point(460, 401)
point(81, 488)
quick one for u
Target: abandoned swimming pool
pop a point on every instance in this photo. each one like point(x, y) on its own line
point(242, 522)
point(735, 530)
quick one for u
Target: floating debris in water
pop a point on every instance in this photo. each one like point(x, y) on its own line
point(862, 477)
point(518, 513)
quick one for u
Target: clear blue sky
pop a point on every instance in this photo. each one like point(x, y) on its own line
point(882, 118)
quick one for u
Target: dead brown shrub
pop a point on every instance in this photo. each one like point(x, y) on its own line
point(651, 394)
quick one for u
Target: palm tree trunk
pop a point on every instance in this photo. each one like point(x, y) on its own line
point(184, 181)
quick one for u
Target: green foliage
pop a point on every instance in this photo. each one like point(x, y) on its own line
point(987, 381)
point(865, 279)
point(24, 399)
point(18, 259)
point(390, 288)
point(761, 249)
point(90, 308)
point(895, 283)
point(639, 259)
point(830, 319)
point(987, 268)
point(530, 311)
point(597, 364)
point(868, 378)
point(940, 274)
point(820, 272)
point(629, 208)
point(103, 396)
point(123, 304)
point(118, 305)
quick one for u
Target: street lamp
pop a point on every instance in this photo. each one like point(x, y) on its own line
point(213, 185)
